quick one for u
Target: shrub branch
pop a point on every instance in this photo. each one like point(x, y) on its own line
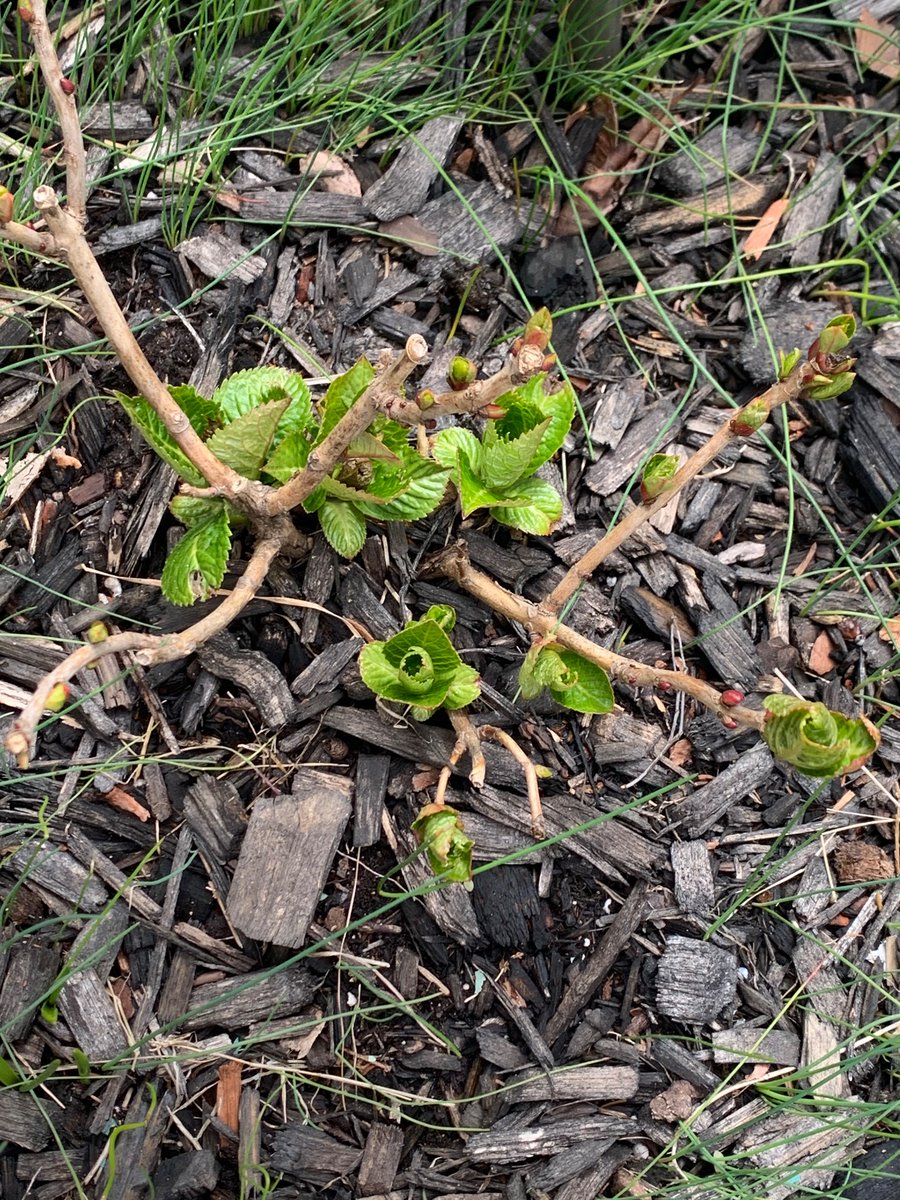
point(148, 649)
point(779, 393)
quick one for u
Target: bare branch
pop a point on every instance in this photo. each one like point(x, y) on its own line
point(73, 245)
point(40, 241)
point(780, 393)
point(148, 649)
point(62, 93)
point(454, 563)
point(377, 397)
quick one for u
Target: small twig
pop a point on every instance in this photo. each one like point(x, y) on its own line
point(469, 737)
point(517, 369)
point(530, 772)
point(41, 242)
point(378, 397)
point(73, 245)
point(454, 563)
point(149, 649)
point(780, 393)
point(62, 93)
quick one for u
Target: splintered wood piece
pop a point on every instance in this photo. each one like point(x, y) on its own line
point(30, 969)
point(252, 671)
point(310, 1155)
point(756, 1045)
point(381, 1159)
point(56, 870)
point(714, 799)
point(590, 1183)
point(579, 1083)
point(695, 980)
point(21, 1121)
point(88, 1010)
point(217, 255)
point(192, 1173)
point(405, 184)
point(138, 1146)
point(694, 887)
point(285, 857)
point(372, 772)
point(601, 962)
point(233, 1003)
point(822, 1057)
point(505, 1146)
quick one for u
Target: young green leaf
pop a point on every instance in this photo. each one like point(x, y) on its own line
point(464, 689)
point(829, 387)
point(158, 437)
point(421, 488)
point(505, 458)
point(246, 390)
point(572, 681)
point(659, 470)
point(815, 740)
point(244, 444)
point(342, 392)
point(473, 494)
point(197, 563)
point(449, 443)
point(559, 406)
point(194, 510)
point(343, 526)
point(438, 828)
point(343, 491)
point(533, 507)
point(417, 666)
point(288, 457)
point(201, 412)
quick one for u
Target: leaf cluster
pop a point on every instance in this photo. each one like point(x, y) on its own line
point(571, 680)
point(496, 471)
point(420, 667)
point(263, 425)
point(815, 740)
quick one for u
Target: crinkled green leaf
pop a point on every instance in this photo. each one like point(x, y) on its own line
point(439, 829)
point(288, 457)
point(367, 445)
point(245, 443)
point(201, 412)
point(422, 488)
point(443, 614)
point(158, 437)
point(382, 664)
point(815, 740)
point(505, 459)
point(342, 393)
point(529, 684)
point(246, 390)
point(473, 494)
point(449, 443)
point(343, 526)
point(559, 406)
point(464, 689)
point(585, 688)
point(343, 491)
point(315, 499)
point(197, 563)
point(195, 510)
point(538, 507)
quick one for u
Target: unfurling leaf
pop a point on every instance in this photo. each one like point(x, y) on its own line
point(751, 417)
point(659, 470)
point(835, 337)
point(788, 362)
point(815, 740)
point(343, 526)
point(439, 830)
point(197, 563)
point(573, 681)
point(246, 390)
point(244, 444)
point(538, 329)
point(533, 506)
point(829, 387)
point(419, 666)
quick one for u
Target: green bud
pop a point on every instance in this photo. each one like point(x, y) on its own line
point(750, 418)
point(425, 398)
point(539, 329)
point(58, 698)
point(439, 829)
point(828, 387)
point(461, 372)
point(657, 474)
point(788, 362)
